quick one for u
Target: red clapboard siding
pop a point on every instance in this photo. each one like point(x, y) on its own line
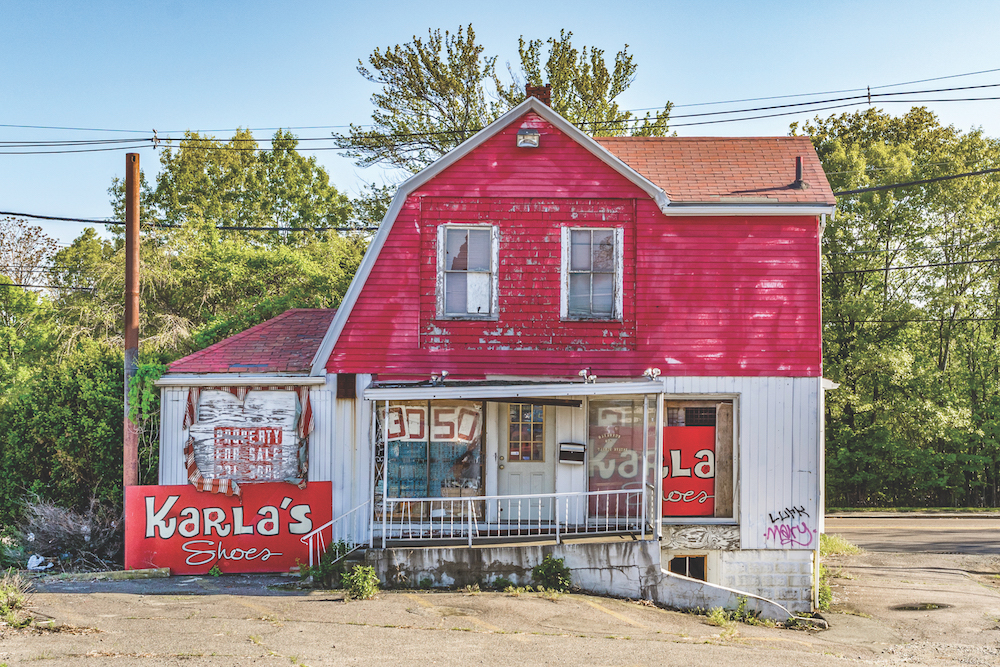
point(702, 296)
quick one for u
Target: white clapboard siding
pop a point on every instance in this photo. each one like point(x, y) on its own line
point(173, 402)
point(323, 402)
point(778, 447)
point(349, 451)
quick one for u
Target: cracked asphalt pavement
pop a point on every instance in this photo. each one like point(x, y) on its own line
point(243, 620)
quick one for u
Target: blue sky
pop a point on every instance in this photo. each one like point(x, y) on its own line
point(214, 66)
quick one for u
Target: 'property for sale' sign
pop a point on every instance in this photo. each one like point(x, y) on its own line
point(189, 531)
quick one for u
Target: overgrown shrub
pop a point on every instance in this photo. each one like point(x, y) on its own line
point(552, 573)
point(501, 583)
point(88, 540)
point(61, 436)
point(361, 582)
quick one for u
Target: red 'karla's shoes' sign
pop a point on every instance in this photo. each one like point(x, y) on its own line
point(189, 531)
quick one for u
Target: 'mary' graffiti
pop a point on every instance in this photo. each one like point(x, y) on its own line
point(791, 535)
point(789, 529)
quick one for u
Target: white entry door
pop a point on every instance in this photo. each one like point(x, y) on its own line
point(526, 461)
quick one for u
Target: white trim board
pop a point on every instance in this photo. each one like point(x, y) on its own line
point(237, 380)
point(425, 392)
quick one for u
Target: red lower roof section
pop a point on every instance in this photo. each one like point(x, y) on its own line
point(285, 344)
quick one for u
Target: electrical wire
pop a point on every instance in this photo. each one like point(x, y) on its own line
point(914, 266)
point(631, 123)
point(81, 289)
point(909, 248)
point(118, 223)
point(893, 186)
point(907, 321)
point(59, 218)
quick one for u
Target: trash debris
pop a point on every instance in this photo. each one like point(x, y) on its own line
point(37, 563)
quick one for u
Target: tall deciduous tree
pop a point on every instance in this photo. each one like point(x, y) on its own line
point(437, 92)
point(25, 251)
point(205, 184)
point(915, 420)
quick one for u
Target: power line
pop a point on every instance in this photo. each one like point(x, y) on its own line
point(893, 186)
point(169, 226)
point(907, 321)
point(914, 266)
point(829, 92)
point(909, 248)
point(59, 218)
point(625, 123)
point(81, 289)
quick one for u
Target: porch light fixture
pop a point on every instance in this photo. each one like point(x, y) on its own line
point(587, 377)
point(651, 373)
point(438, 380)
point(527, 137)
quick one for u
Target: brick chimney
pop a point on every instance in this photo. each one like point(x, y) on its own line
point(542, 93)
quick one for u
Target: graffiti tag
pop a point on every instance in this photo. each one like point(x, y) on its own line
point(791, 535)
point(788, 513)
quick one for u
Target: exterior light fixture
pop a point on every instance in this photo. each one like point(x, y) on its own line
point(652, 373)
point(527, 137)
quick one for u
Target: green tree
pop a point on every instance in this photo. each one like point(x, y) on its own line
point(24, 251)
point(27, 333)
point(205, 184)
point(437, 92)
point(61, 434)
point(914, 349)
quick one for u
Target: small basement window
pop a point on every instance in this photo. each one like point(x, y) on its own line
point(689, 566)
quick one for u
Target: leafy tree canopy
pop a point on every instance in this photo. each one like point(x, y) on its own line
point(915, 350)
point(205, 184)
point(439, 91)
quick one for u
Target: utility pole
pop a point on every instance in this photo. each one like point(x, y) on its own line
point(130, 454)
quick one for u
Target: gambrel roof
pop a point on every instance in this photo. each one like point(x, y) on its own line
point(687, 177)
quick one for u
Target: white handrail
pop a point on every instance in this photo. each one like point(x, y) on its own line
point(317, 545)
point(555, 515)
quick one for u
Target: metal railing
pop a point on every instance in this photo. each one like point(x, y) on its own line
point(348, 533)
point(514, 517)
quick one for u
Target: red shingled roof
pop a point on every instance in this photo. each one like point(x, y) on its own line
point(721, 169)
point(285, 344)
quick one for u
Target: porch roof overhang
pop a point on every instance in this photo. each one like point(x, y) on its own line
point(498, 390)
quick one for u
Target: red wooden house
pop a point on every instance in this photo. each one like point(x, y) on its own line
point(554, 337)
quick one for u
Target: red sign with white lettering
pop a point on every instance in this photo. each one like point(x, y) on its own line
point(689, 471)
point(189, 531)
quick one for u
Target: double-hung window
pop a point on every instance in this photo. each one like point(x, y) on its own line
point(467, 271)
point(592, 274)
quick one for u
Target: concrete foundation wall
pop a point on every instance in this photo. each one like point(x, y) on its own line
point(783, 576)
point(620, 569)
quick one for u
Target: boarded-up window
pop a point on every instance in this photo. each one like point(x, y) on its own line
point(698, 459)
point(248, 441)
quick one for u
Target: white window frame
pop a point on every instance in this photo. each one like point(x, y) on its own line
point(494, 278)
point(616, 314)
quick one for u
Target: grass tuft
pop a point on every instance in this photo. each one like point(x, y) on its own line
point(836, 545)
